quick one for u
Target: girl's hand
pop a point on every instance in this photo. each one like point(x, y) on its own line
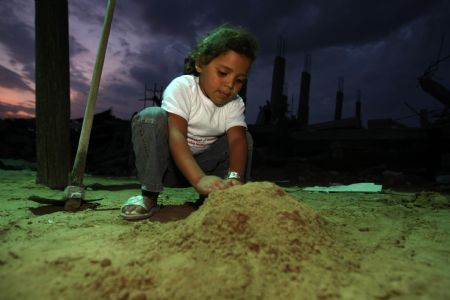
point(209, 183)
point(233, 182)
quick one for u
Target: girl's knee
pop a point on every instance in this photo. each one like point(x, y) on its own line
point(151, 115)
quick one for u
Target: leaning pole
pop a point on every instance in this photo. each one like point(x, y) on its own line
point(76, 190)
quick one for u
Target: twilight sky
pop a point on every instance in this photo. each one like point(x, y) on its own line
point(380, 47)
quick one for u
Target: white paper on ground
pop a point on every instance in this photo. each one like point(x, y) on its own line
point(362, 187)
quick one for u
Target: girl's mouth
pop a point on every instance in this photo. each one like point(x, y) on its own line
point(224, 95)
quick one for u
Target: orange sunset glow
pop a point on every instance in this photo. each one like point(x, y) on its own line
point(16, 104)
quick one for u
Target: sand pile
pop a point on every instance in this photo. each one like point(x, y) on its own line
point(247, 242)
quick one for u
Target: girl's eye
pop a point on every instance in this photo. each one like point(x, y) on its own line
point(222, 74)
point(241, 81)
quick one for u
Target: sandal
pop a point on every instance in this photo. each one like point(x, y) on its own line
point(137, 201)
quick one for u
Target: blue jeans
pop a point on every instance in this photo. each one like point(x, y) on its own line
point(154, 164)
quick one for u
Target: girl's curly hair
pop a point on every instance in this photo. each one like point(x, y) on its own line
point(220, 40)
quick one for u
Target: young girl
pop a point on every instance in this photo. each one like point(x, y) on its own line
point(199, 135)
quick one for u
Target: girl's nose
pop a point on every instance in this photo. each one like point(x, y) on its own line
point(229, 83)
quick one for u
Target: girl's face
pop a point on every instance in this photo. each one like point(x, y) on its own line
point(223, 77)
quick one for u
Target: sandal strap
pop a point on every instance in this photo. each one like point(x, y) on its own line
point(136, 200)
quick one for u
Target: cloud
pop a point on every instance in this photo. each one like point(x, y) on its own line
point(76, 47)
point(353, 23)
point(23, 109)
point(17, 38)
point(10, 79)
point(306, 25)
point(87, 12)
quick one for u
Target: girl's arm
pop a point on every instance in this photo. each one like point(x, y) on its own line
point(185, 160)
point(237, 144)
point(180, 149)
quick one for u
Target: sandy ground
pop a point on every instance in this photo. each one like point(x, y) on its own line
point(256, 241)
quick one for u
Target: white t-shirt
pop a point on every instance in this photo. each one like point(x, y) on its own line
point(205, 121)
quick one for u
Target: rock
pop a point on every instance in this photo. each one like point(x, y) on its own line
point(105, 262)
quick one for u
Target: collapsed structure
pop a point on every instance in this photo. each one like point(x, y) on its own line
point(383, 141)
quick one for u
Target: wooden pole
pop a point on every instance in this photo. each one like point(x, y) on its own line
point(83, 144)
point(52, 93)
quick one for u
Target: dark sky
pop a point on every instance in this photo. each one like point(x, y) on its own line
point(380, 47)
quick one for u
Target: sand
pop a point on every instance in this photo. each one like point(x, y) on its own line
point(256, 241)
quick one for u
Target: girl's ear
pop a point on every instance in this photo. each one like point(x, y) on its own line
point(198, 67)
